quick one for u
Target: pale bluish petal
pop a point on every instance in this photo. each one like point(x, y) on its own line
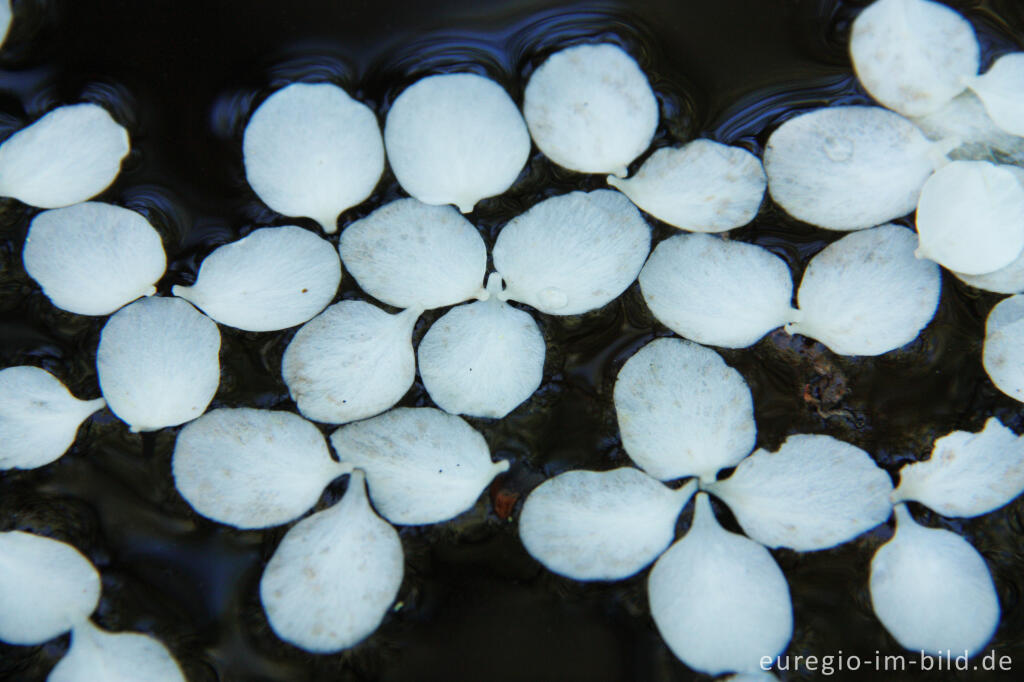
point(422, 465)
point(703, 186)
point(913, 56)
point(1003, 352)
point(334, 576)
point(591, 109)
point(158, 363)
point(274, 278)
point(350, 362)
point(607, 525)
point(5, 19)
point(252, 468)
point(115, 657)
point(46, 588)
point(311, 150)
point(68, 156)
point(968, 474)
point(412, 255)
point(964, 118)
point(970, 217)
point(718, 599)
point(682, 411)
point(932, 590)
point(39, 418)
point(93, 258)
point(848, 167)
point(1001, 88)
point(572, 253)
point(482, 359)
point(867, 293)
point(813, 493)
point(455, 138)
point(715, 291)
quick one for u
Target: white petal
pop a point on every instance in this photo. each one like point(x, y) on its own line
point(867, 294)
point(715, 291)
point(334, 576)
point(422, 465)
point(814, 492)
point(46, 588)
point(115, 657)
point(572, 253)
point(158, 363)
point(847, 168)
point(311, 150)
point(252, 468)
point(591, 109)
point(66, 157)
point(1003, 352)
point(682, 411)
point(39, 418)
point(1005, 280)
point(411, 255)
point(970, 217)
point(1000, 88)
point(703, 186)
point(350, 362)
point(93, 258)
point(607, 525)
point(719, 600)
point(455, 138)
point(932, 590)
point(964, 118)
point(968, 474)
point(482, 359)
point(913, 55)
point(5, 19)
point(275, 278)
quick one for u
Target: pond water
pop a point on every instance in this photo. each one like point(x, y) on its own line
point(184, 76)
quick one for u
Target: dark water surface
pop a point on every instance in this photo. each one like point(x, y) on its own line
point(183, 76)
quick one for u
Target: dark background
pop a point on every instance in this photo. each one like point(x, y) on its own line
point(184, 75)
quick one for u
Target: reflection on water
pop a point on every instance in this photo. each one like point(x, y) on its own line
point(184, 77)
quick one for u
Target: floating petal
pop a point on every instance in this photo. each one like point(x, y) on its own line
point(572, 253)
point(311, 150)
point(913, 56)
point(482, 359)
point(350, 362)
point(932, 590)
point(703, 186)
point(46, 588)
point(252, 468)
point(275, 278)
point(964, 118)
point(717, 292)
point(970, 217)
point(115, 657)
point(719, 600)
point(456, 138)
point(158, 363)
point(814, 492)
point(334, 576)
point(93, 258)
point(1000, 88)
point(1003, 352)
point(607, 525)
point(5, 19)
point(1006, 280)
point(847, 168)
point(39, 418)
point(422, 465)
point(968, 474)
point(591, 109)
point(411, 255)
point(68, 156)
point(867, 294)
point(682, 411)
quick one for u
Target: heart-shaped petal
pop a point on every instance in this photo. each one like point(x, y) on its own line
point(115, 657)
point(1000, 89)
